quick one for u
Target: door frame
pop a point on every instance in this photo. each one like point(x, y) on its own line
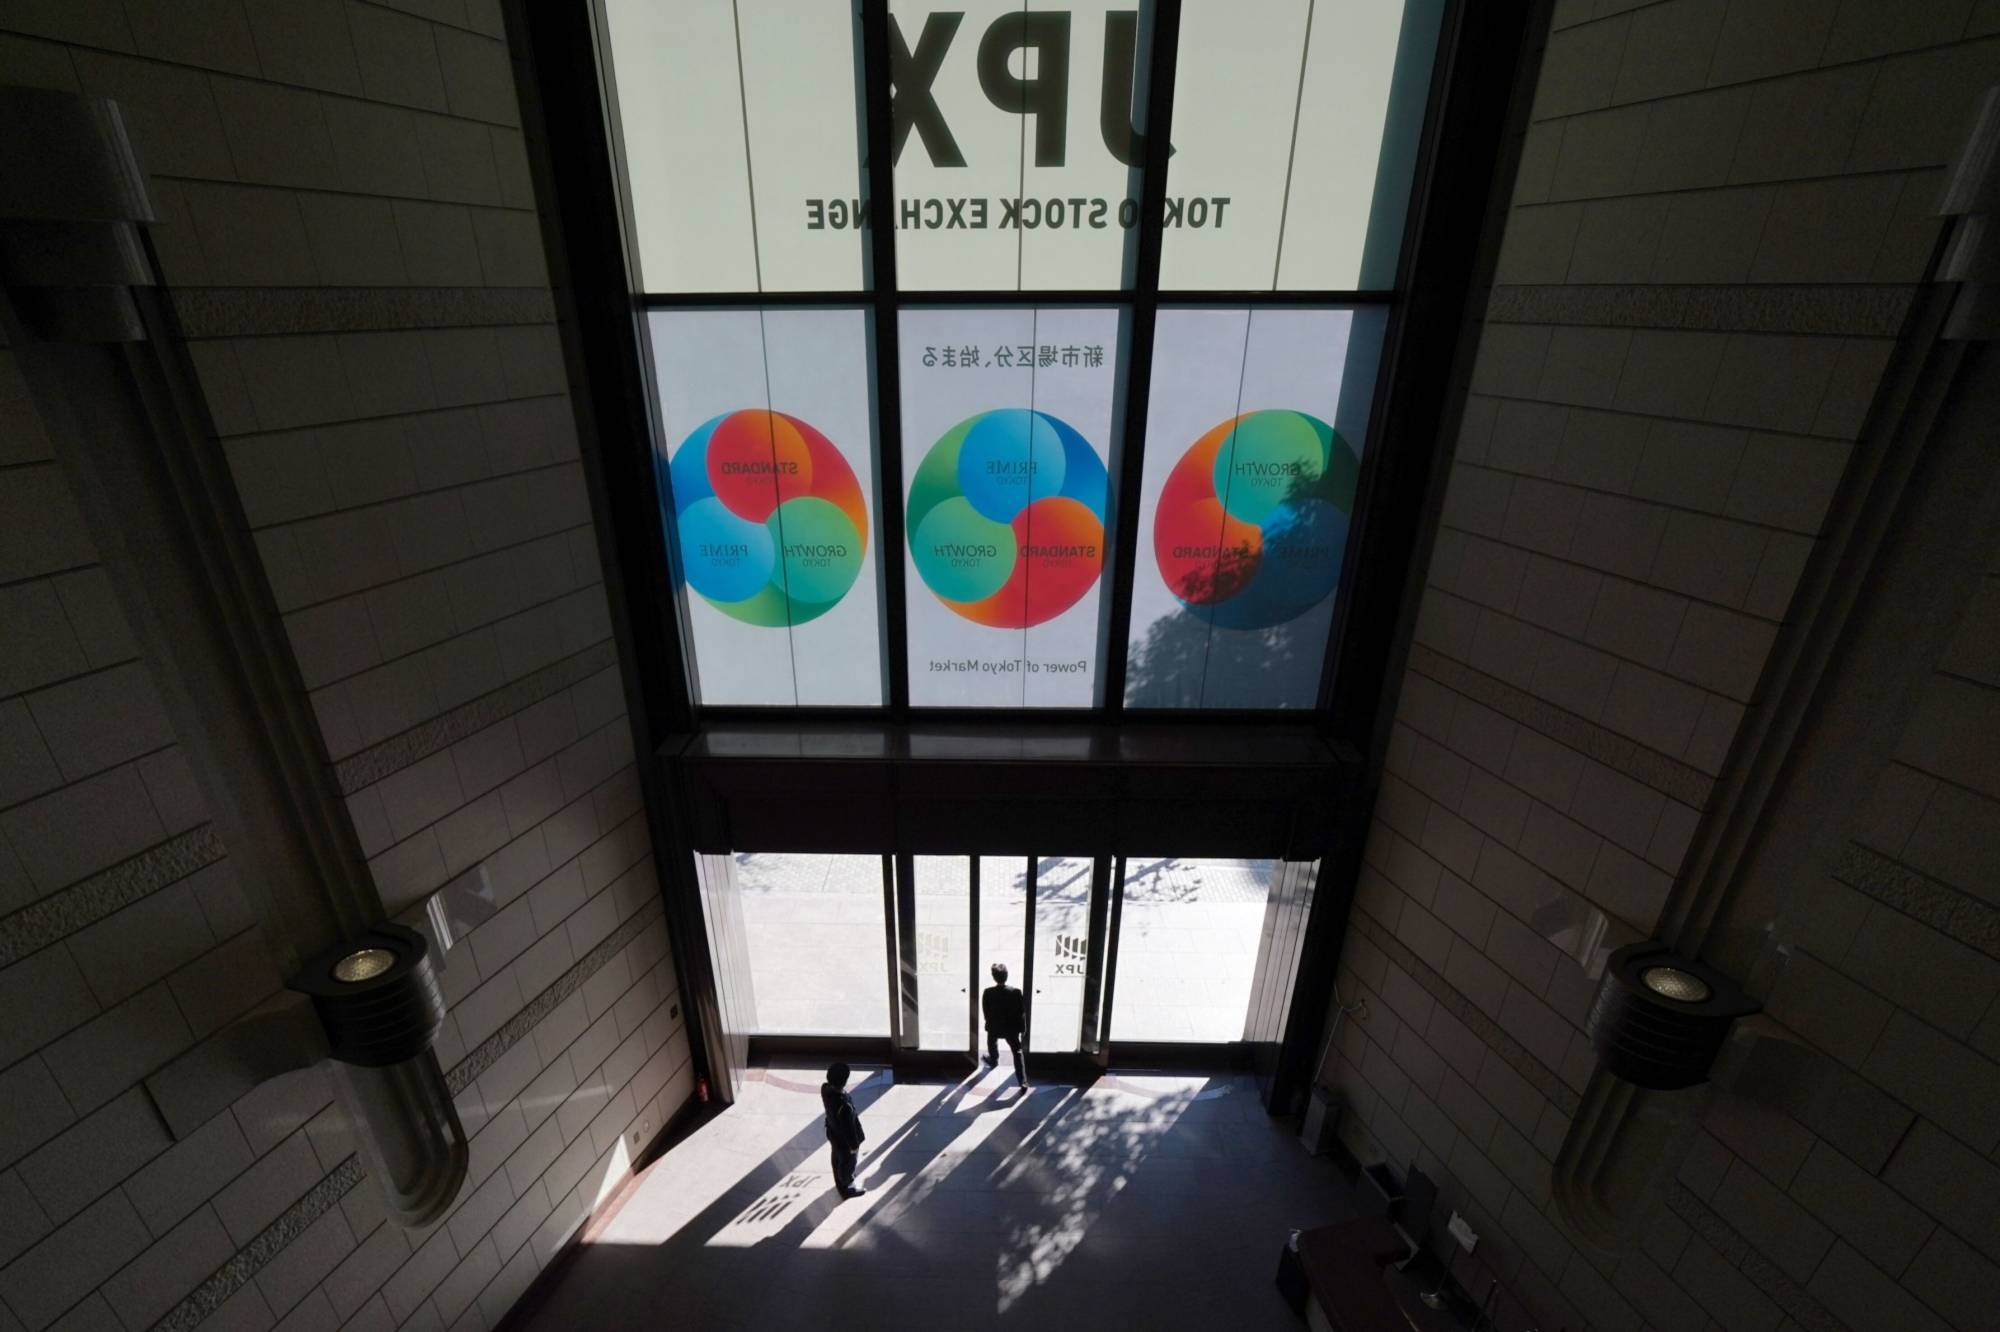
point(1276, 975)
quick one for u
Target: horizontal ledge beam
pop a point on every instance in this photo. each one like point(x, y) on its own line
point(872, 788)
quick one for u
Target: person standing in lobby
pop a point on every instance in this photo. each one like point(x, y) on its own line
point(1005, 1011)
point(843, 1130)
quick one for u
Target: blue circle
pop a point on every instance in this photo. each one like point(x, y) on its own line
point(1084, 477)
point(687, 473)
point(1010, 458)
point(726, 558)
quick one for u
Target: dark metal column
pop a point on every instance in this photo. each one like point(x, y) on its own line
point(876, 102)
point(1112, 936)
point(901, 1003)
point(1145, 293)
point(909, 1016)
point(1094, 955)
point(973, 983)
point(1028, 958)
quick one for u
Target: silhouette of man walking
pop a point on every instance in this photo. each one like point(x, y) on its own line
point(1005, 1012)
point(843, 1130)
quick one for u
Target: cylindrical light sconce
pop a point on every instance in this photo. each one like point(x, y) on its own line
point(1660, 1019)
point(378, 998)
point(377, 995)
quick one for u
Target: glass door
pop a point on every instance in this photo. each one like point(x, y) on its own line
point(1003, 927)
point(941, 907)
point(1142, 950)
point(1062, 953)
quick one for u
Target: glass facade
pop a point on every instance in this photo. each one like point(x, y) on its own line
point(978, 398)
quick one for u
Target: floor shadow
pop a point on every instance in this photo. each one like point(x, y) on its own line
point(1144, 1201)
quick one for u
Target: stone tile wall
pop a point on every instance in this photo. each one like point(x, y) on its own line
point(348, 223)
point(1721, 209)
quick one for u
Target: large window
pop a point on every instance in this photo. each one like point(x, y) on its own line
point(981, 348)
point(1020, 168)
point(1295, 124)
point(1188, 939)
point(733, 114)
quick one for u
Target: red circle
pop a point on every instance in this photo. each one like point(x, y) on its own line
point(758, 459)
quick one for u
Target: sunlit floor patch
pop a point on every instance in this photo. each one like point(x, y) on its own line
point(1143, 1197)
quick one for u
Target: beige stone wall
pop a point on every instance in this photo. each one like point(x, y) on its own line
point(347, 219)
point(1721, 208)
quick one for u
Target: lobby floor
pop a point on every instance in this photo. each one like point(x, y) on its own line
point(1144, 1201)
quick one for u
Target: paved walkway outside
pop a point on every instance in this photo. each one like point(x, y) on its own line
point(1143, 1202)
point(818, 964)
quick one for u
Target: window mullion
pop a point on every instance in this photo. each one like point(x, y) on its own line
point(1165, 57)
point(875, 69)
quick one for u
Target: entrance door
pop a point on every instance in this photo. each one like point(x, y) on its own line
point(1143, 951)
point(1003, 930)
point(1062, 949)
point(941, 906)
point(1032, 915)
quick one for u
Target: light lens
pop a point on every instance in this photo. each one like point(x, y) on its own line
point(1673, 983)
point(364, 964)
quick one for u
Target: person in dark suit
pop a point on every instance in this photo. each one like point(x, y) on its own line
point(1005, 1012)
point(843, 1130)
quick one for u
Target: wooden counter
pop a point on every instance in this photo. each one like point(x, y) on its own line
point(1355, 1288)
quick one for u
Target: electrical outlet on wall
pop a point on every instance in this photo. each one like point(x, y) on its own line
point(1462, 1232)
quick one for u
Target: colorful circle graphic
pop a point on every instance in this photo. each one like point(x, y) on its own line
point(772, 524)
point(1253, 518)
point(1007, 517)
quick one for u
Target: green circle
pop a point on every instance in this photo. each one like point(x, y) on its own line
point(962, 554)
point(765, 608)
point(818, 546)
point(1271, 456)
